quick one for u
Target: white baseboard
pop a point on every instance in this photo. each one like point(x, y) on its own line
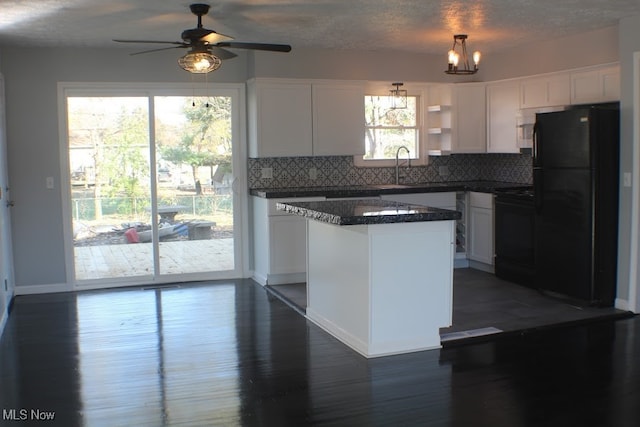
point(622, 304)
point(279, 279)
point(460, 263)
point(337, 332)
point(43, 289)
point(361, 347)
point(3, 321)
point(481, 266)
point(260, 278)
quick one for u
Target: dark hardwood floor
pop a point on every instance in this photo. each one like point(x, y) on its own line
point(228, 353)
point(484, 304)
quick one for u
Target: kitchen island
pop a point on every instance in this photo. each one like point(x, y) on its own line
point(379, 273)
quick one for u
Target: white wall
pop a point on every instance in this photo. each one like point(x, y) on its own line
point(33, 137)
point(579, 50)
point(628, 279)
point(354, 65)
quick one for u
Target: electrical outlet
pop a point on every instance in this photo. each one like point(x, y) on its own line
point(267, 173)
point(49, 182)
point(313, 173)
point(443, 170)
point(627, 179)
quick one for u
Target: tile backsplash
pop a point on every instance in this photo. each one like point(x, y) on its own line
point(340, 170)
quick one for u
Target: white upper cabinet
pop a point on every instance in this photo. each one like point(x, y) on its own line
point(338, 119)
point(289, 118)
point(280, 119)
point(503, 104)
point(597, 85)
point(468, 118)
point(547, 91)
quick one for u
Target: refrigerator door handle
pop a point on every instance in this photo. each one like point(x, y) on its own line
point(538, 190)
point(537, 170)
point(535, 144)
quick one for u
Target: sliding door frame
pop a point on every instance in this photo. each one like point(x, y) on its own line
point(240, 198)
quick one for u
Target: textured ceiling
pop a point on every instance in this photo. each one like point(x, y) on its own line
point(424, 26)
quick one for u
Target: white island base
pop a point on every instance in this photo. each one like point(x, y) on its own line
point(381, 289)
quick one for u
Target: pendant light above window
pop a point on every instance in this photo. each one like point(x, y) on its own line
point(398, 96)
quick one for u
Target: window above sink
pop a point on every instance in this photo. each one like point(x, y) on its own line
point(387, 128)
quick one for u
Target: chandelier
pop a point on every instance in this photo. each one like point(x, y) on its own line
point(458, 59)
point(199, 62)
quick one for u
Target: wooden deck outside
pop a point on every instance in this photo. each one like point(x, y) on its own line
point(129, 260)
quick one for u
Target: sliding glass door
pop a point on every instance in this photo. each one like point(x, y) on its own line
point(151, 186)
point(194, 184)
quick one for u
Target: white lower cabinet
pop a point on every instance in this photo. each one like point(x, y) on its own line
point(279, 243)
point(480, 239)
point(280, 239)
point(287, 245)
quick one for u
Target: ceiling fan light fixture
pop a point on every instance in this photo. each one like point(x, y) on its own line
point(199, 62)
point(207, 48)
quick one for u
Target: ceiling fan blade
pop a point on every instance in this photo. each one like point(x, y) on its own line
point(146, 41)
point(214, 38)
point(221, 53)
point(256, 46)
point(158, 50)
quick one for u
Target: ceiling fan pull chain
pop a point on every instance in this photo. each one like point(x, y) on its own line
point(206, 86)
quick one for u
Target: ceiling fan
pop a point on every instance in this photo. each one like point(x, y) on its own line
point(206, 47)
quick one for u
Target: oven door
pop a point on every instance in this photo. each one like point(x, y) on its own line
point(514, 239)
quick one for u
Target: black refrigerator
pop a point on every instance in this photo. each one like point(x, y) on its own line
point(575, 178)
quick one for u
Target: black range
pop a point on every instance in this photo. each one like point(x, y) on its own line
point(514, 230)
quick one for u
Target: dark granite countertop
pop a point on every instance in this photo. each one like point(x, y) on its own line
point(366, 211)
point(380, 189)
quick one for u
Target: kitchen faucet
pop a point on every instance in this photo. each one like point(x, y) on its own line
point(397, 163)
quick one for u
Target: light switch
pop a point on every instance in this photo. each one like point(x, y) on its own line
point(50, 183)
point(626, 179)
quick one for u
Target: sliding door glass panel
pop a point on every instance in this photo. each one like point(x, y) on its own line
point(110, 186)
point(194, 183)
